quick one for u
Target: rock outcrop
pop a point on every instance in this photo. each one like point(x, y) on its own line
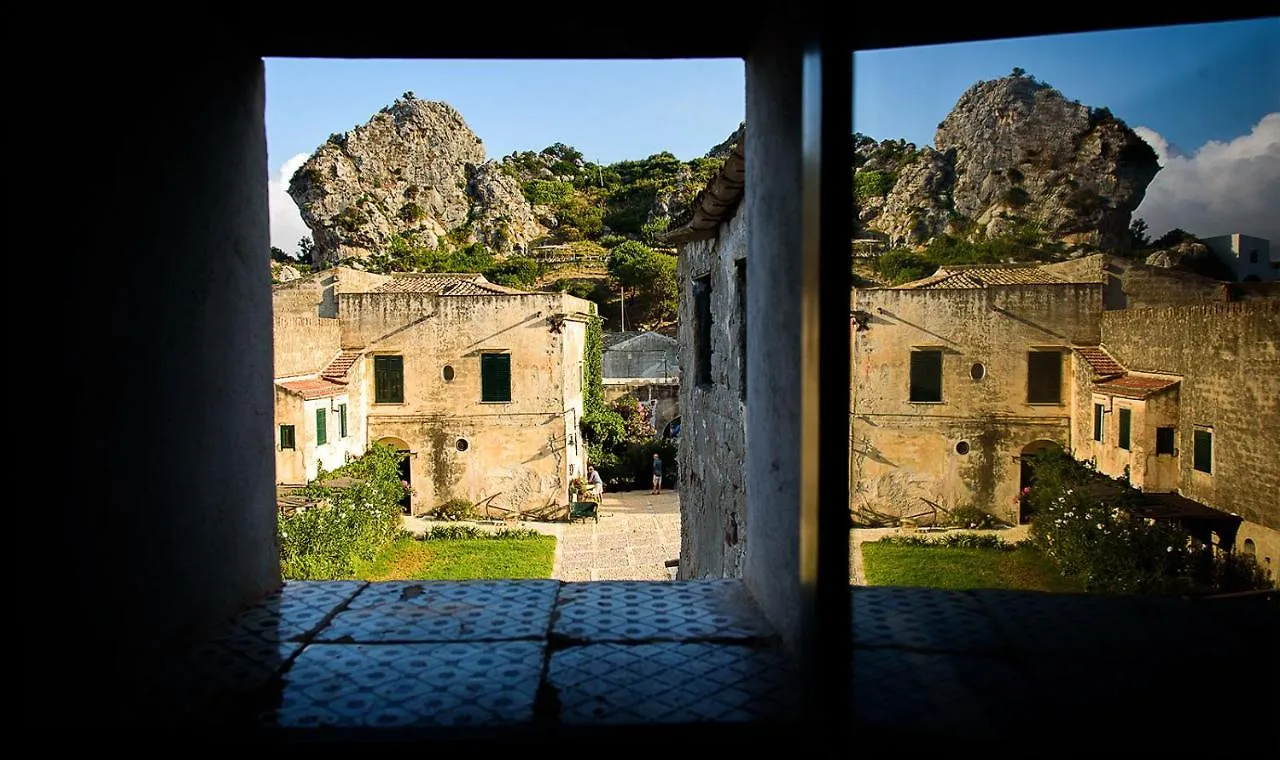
point(414, 170)
point(1015, 155)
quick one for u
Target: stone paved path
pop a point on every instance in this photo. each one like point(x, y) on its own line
point(637, 533)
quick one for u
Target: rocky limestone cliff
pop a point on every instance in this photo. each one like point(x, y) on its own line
point(1015, 155)
point(414, 170)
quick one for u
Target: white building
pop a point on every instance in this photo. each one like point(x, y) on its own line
point(1249, 257)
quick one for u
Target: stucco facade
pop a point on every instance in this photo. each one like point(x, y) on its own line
point(409, 356)
point(1249, 257)
point(922, 452)
point(713, 496)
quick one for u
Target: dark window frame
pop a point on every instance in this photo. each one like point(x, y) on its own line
point(1202, 450)
point(1099, 421)
point(1166, 440)
point(703, 319)
point(289, 434)
point(925, 360)
point(1037, 384)
point(740, 273)
point(494, 387)
point(1125, 421)
point(388, 379)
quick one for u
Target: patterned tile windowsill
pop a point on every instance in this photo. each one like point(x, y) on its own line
point(444, 658)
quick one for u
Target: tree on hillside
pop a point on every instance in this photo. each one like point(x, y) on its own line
point(1138, 237)
point(649, 278)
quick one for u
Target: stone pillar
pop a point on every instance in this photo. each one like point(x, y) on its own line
point(184, 422)
point(799, 203)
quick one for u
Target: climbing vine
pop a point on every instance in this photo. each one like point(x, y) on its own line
point(593, 393)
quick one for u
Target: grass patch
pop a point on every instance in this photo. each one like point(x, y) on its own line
point(958, 568)
point(412, 559)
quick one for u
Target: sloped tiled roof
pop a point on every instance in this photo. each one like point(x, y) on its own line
point(314, 388)
point(445, 284)
point(981, 277)
point(338, 368)
point(1099, 361)
point(1135, 386)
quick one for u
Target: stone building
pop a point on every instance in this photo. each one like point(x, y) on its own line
point(712, 351)
point(1199, 418)
point(481, 384)
point(955, 378)
point(1250, 258)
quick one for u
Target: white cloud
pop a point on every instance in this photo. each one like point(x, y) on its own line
point(1224, 187)
point(287, 227)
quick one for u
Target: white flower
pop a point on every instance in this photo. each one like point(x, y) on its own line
point(1070, 491)
point(1169, 549)
point(1099, 526)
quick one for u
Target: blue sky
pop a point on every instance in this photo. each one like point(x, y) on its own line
point(1180, 87)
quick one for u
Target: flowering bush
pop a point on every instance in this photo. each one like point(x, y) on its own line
point(324, 541)
point(1088, 527)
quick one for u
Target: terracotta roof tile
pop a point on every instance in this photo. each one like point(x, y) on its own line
point(338, 368)
point(1135, 386)
point(981, 277)
point(1100, 361)
point(314, 388)
point(444, 284)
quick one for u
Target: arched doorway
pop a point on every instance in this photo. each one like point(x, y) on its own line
point(1026, 476)
point(406, 472)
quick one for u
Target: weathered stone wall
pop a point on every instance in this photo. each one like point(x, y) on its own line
point(712, 453)
point(909, 458)
point(517, 453)
point(303, 340)
point(1132, 284)
point(1229, 358)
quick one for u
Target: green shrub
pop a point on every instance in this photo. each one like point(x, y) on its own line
point(452, 533)
point(455, 509)
point(324, 541)
point(969, 516)
point(412, 212)
point(872, 183)
point(953, 541)
point(900, 266)
point(1085, 522)
point(515, 272)
point(1016, 197)
point(518, 533)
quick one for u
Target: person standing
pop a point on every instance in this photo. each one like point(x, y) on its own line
point(596, 482)
point(657, 474)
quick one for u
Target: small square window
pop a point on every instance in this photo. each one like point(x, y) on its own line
point(1164, 440)
point(287, 437)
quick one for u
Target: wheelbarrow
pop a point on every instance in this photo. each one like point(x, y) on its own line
point(581, 510)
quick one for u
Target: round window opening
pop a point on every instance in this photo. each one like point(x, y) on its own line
point(447, 373)
point(977, 371)
point(462, 444)
point(962, 448)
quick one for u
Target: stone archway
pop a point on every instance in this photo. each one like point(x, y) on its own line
point(406, 471)
point(1026, 477)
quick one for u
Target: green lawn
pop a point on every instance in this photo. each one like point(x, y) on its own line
point(961, 568)
point(462, 559)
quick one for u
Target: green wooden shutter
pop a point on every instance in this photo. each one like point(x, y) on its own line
point(322, 436)
point(1126, 422)
point(495, 377)
point(286, 437)
point(342, 420)
point(388, 379)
